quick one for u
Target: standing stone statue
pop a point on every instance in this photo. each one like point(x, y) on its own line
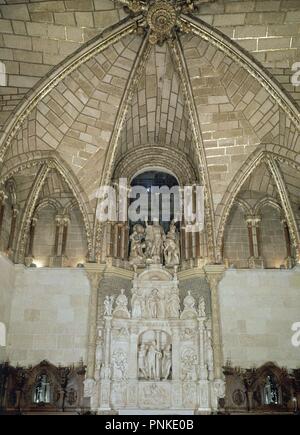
point(153, 304)
point(153, 361)
point(173, 305)
point(154, 242)
point(189, 311)
point(166, 362)
point(121, 310)
point(108, 305)
point(136, 305)
point(142, 367)
point(136, 248)
point(171, 247)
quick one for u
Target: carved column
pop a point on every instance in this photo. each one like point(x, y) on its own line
point(29, 254)
point(3, 197)
point(214, 274)
point(65, 224)
point(202, 366)
point(253, 224)
point(176, 367)
point(58, 221)
point(94, 273)
point(14, 218)
point(105, 373)
point(289, 260)
point(203, 374)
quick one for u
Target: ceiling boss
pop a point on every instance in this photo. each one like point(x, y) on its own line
point(161, 16)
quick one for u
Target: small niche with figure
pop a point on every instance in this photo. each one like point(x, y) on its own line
point(42, 390)
point(155, 356)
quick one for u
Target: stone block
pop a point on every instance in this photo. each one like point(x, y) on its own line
point(15, 12)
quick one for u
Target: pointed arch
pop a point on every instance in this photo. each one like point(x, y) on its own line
point(49, 202)
point(267, 201)
point(29, 210)
point(244, 205)
point(45, 166)
point(262, 155)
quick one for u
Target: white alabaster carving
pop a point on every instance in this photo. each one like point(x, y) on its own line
point(89, 385)
point(108, 305)
point(149, 354)
point(189, 311)
point(171, 246)
point(202, 307)
point(150, 245)
point(121, 309)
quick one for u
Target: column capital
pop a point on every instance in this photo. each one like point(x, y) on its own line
point(65, 220)
point(94, 272)
point(58, 219)
point(3, 196)
point(253, 219)
point(214, 273)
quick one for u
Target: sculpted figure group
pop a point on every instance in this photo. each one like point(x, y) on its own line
point(154, 363)
point(150, 245)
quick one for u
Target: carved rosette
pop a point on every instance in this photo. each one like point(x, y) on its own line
point(161, 19)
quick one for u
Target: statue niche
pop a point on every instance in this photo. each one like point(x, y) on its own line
point(154, 356)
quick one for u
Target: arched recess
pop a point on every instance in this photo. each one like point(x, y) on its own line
point(267, 201)
point(271, 160)
point(235, 247)
point(45, 165)
point(47, 203)
point(162, 157)
point(273, 242)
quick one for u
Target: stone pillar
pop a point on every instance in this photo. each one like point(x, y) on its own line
point(202, 365)
point(29, 254)
point(214, 274)
point(94, 273)
point(176, 368)
point(132, 391)
point(65, 224)
point(255, 260)
point(203, 374)
point(289, 263)
point(105, 374)
point(58, 220)
point(15, 213)
point(3, 197)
